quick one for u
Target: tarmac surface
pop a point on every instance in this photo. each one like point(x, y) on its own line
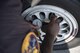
point(73, 50)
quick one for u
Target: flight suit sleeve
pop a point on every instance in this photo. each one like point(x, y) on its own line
point(13, 28)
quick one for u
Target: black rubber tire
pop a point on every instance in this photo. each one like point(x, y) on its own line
point(72, 7)
point(25, 4)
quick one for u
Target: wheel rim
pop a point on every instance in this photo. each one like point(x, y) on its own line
point(68, 24)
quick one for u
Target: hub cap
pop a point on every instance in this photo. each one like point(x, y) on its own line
point(40, 15)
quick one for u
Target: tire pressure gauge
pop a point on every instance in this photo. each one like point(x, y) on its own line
point(37, 22)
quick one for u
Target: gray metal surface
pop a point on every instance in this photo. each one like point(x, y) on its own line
point(72, 50)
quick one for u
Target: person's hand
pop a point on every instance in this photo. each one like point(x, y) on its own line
point(33, 28)
point(53, 27)
point(52, 30)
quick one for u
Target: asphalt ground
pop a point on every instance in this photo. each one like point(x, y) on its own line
point(72, 50)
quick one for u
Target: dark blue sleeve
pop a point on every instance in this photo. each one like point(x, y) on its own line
point(13, 28)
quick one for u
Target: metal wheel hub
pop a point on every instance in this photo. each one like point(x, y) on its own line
point(40, 15)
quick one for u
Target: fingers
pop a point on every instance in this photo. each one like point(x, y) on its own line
point(32, 26)
point(34, 29)
point(53, 18)
point(53, 26)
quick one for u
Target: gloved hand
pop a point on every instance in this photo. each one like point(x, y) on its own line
point(52, 30)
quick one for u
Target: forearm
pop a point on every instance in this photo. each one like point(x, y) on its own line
point(47, 45)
